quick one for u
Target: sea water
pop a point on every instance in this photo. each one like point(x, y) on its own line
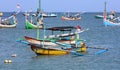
point(97, 36)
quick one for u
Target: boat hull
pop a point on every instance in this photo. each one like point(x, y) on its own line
point(67, 18)
point(48, 51)
point(109, 23)
point(13, 25)
point(32, 26)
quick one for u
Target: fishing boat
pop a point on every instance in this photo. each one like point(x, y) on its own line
point(48, 15)
point(68, 38)
point(108, 22)
point(5, 23)
point(100, 16)
point(30, 24)
point(32, 20)
point(70, 17)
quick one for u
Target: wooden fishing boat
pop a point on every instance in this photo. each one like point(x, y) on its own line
point(29, 24)
point(100, 16)
point(33, 21)
point(48, 51)
point(47, 42)
point(108, 22)
point(57, 38)
point(4, 23)
point(70, 18)
point(49, 15)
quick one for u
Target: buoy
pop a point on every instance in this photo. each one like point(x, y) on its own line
point(13, 55)
point(7, 61)
point(10, 61)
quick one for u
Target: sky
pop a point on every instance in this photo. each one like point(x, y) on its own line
point(60, 5)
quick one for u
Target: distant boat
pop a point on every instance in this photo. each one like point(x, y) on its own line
point(100, 16)
point(49, 15)
point(69, 17)
point(5, 23)
point(30, 24)
point(107, 22)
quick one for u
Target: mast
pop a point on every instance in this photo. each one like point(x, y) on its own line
point(105, 14)
point(38, 19)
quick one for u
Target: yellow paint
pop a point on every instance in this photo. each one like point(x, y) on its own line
point(43, 51)
point(83, 49)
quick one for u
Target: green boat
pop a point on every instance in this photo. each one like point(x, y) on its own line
point(30, 25)
point(33, 21)
point(100, 16)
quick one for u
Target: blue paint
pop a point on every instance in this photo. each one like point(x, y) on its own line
point(100, 52)
point(22, 41)
point(76, 53)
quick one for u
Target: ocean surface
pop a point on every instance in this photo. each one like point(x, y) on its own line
point(97, 36)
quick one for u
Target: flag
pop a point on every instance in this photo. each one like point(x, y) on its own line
point(18, 6)
point(78, 28)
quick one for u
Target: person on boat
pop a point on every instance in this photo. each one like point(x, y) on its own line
point(112, 15)
point(83, 48)
point(7, 22)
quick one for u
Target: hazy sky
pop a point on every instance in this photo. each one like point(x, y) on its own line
point(61, 5)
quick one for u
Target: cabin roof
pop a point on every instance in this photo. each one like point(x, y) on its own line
point(63, 28)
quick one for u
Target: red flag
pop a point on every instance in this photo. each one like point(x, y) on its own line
point(78, 28)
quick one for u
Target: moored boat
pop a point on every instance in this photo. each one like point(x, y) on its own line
point(70, 18)
point(29, 24)
point(4, 23)
point(108, 22)
point(68, 38)
point(49, 15)
point(98, 16)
